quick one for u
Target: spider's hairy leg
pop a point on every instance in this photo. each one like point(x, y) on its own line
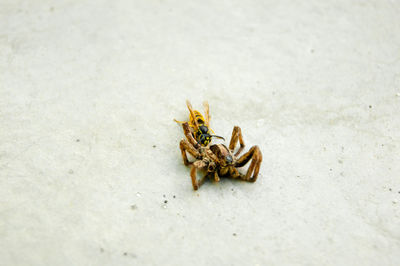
point(206, 113)
point(187, 147)
point(254, 154)
point(234, 173)
point(189, 135)
point(236, 135)
point(216, 177)
point(193, 174)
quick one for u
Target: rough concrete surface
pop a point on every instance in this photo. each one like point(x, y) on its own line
point(90, 169)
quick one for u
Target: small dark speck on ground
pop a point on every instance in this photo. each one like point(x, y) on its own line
point(390, 189)
point(330, 169)
point(174, 196)
point(234, 234)
point(132, 255)
point(340, 161)
point(101, 250)
point(163, 196)
point(77, 140)
point(154, 146)
point(133, 207)
point(165, 201)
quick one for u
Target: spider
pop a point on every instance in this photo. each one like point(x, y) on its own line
point(197, 130)
point(218, 160)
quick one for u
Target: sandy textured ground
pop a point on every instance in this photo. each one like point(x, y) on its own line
point(90, 170)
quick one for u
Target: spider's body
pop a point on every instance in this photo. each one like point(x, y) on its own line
point(199, 126)
point(223, 154)
point(219, 160)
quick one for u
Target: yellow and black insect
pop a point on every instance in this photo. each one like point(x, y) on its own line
point(199, 125)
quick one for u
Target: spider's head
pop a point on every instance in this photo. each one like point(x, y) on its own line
point(204, 137)
point(223, 154)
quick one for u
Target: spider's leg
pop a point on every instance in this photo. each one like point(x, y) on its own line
point(193, 175)
point(187, 147)
point(236, 135)
point(254, 154)
point(207, 114)
point(201, 182)
point(234, 173)
point(213, 157)
point(216, 177)
point(189, 135)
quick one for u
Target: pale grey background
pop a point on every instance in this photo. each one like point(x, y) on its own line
point(88, 87)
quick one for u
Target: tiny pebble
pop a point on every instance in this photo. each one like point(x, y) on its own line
point(165, 201)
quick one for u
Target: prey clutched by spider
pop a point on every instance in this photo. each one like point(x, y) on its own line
point(217, 160)
point(197, 129)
